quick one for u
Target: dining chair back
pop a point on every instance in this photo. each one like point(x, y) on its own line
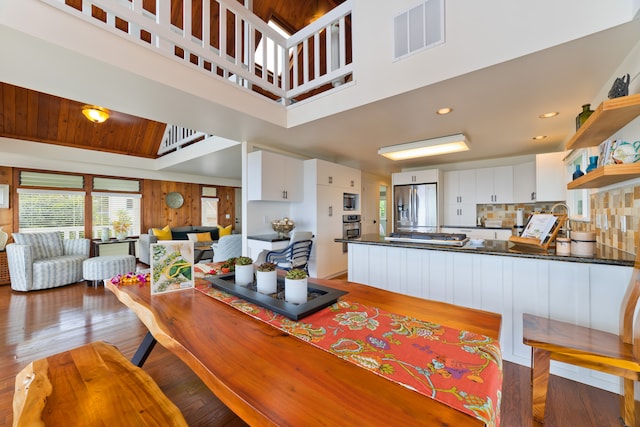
point(296, 255)
point(616, 354)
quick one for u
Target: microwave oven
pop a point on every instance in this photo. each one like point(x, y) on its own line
point(350, 202)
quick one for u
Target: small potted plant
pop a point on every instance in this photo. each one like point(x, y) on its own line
point(244, 270)
point(295, 286)
point(267, 278)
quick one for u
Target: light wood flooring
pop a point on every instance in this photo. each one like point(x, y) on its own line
point(37, 324)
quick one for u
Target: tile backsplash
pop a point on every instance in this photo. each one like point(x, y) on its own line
point(606, 207)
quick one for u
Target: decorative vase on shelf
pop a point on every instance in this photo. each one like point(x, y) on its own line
point(593, 163)
point(583, 116)
point(578, 173)
point(121, 236)
point(105, 234)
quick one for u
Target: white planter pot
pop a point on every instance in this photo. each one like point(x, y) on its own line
point(244, 274)
point(295, 291)
point(267, 281)
point(105, 234)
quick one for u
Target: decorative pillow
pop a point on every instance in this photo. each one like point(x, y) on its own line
point(224, 230)
point(199, 237)
point(162, 234)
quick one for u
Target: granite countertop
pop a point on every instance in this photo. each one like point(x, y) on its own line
point(604, 254)
point(273, 237)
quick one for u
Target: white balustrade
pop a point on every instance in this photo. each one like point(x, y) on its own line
point(292, 74)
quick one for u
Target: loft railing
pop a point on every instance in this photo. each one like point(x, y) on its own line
point(316, 58)
point(176, 137)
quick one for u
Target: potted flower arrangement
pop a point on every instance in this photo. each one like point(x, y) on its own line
point(267, 278)
point(295, 286)
point(121, 225)
point(228, 266)
point(244, 271)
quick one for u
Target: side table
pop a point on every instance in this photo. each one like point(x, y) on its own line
point(4, 269)
point(97, 243)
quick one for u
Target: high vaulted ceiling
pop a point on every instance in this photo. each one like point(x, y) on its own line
point(496, 106)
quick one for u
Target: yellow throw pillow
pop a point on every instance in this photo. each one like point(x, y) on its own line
point(204, 237)
point(224, 231)
point(162, 234)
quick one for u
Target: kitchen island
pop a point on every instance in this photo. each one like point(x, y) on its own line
point(504, 278)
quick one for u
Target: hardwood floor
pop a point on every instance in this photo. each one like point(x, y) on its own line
point(37, 324)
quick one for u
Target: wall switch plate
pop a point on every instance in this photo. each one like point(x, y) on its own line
point(598, 221)
point(623, 224)
point(227, 216)
point(605, 223)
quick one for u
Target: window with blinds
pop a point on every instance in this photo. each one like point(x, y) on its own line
point(109, 206)
point(48, 210)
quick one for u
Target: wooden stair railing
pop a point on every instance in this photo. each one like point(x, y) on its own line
point(588, 348)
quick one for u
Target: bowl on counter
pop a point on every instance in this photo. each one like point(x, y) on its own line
point(476, 242)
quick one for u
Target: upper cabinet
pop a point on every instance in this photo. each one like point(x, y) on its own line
point(274, 177)
point(494, 185)
point(336, 175)
point(610, 116)
point(524, 182)
point(415, 177)
point(460, 197)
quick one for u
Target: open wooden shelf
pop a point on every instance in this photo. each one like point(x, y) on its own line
point(610, 116)
point(606, 175)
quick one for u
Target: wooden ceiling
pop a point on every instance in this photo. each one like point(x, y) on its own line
point(35, 116)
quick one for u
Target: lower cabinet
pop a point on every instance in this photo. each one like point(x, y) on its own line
point(579, 293)
point(256, 246)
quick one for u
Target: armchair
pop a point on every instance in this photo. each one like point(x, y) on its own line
point(45, 260)
point(229, 246)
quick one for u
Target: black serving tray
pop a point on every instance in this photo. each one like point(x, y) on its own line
point(318, 296)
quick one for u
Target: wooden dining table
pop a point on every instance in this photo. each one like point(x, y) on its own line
point(268, 377)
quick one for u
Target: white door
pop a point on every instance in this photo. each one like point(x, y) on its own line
point(370, 197)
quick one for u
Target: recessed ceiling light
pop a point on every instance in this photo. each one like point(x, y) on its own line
point(548, 115)
point(536, 138)
point(444, 111)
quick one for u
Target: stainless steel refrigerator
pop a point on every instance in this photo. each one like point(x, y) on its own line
point(416, 208)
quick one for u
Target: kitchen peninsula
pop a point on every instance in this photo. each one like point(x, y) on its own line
point(504, 278)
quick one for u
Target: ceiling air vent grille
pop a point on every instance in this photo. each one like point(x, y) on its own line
point(418, 28)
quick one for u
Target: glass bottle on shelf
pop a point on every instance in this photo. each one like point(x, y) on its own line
point(578, 173)
point(584, 115)
point(593, 163)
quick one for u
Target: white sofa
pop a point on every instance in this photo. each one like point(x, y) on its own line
point(45, 260)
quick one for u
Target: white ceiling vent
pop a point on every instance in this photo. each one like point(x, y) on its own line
point(418, 28)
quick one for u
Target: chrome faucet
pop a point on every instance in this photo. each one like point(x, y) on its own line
point(567, 224)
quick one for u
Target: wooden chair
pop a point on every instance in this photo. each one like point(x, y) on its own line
point(588, 348)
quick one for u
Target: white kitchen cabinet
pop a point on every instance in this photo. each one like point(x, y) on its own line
point(415, 177)
point(580, 293)
point(494, 185)
point(524, 182)
point(321, 213)
point(459, 198)
point(336, 175)
point(551, 182)
point(274, 177)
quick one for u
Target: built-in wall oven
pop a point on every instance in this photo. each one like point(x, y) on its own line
point(350, 228)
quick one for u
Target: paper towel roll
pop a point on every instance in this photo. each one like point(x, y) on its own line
point(519, 220)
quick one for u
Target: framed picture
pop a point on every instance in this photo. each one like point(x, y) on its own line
point(4, 196)
point(171, 266)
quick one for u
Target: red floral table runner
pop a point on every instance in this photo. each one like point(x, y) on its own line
point(459, 368)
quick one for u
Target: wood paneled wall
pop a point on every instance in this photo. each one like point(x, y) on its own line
point(155, 212)
point(6, 215)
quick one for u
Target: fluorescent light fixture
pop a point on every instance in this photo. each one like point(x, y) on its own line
point(427, 147)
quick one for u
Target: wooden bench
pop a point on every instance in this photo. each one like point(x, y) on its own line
point(589, 348)
point(89, 386)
